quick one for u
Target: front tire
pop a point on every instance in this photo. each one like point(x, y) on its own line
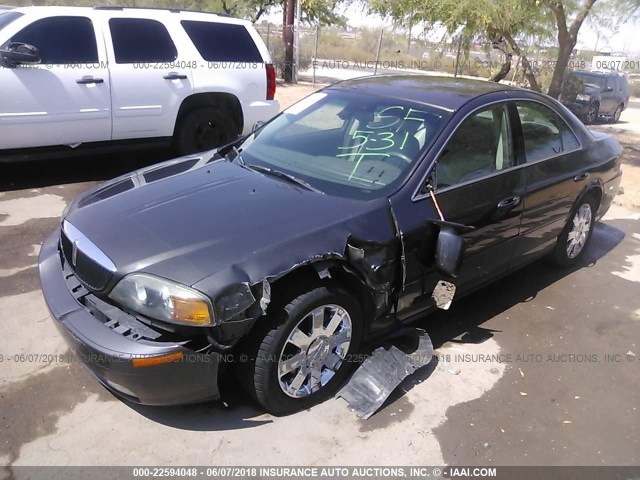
point(202, 129)
point(575, 237)
point(299, 356)
point(592, 113)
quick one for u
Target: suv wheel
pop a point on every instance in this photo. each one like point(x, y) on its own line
point(299, 357)
point(591, 113)
point(575, 237)
point(616, 114)
point(202, 129)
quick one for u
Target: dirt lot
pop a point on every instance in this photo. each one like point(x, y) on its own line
point(544, 364)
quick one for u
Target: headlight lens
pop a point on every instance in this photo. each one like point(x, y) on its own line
point(163, 300)
point(583, 97)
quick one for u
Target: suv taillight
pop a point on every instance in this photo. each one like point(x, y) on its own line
point(271, 81)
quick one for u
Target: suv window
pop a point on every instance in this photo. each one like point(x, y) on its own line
point(141, 40)
point(480, 146)
point(222, 42)
point(545, 133)
point(61, 40)
point(7, 17)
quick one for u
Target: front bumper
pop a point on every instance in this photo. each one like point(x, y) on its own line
point(578, 108)
point(103, 346)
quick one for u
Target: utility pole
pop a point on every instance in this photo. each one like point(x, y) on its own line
point(287, 33)
point(375, 71)
point(297, 39)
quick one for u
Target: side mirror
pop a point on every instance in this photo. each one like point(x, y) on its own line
point(608, 89)
point(257, 125)
point(20, 53)
point(449, 251)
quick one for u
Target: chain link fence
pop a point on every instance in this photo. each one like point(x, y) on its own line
point(327, 54)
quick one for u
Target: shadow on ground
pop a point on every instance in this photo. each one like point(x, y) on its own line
point(74, 169)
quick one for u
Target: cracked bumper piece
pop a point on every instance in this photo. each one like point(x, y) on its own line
point(384, 370)
point(142, 371)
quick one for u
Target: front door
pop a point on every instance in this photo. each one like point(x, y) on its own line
point(66, 99)
point(476, 184)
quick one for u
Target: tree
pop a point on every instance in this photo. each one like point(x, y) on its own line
point(499, 21)
point(567, 38)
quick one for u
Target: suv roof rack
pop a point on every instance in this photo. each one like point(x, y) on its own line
point(172, 10)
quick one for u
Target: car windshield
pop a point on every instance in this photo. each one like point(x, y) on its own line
point(594, 81)
point(7, 17)
point(345, 143)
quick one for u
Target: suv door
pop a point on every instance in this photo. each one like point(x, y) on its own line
point(477, 184)
point(150, 77)
point(610, 96)
point(555, 172)
point(65, 100)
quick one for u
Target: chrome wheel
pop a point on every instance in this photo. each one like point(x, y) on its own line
point(580, 230)
point(314, 350)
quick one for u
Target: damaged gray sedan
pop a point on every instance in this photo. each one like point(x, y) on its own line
point(279, 254)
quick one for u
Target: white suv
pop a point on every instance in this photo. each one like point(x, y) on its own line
point(99, 77)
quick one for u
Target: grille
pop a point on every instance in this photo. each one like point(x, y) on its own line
point(89, 272)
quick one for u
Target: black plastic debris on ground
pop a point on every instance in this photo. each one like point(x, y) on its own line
point(385, 369)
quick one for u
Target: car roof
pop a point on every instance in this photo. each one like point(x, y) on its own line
point(445, 92)
point(116, 11)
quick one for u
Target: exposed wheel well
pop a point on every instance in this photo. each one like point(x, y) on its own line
point(306, 277)
point(224, 101)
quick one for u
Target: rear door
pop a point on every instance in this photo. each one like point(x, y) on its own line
point(610, 96)
point(150, 76)
point(65, 100)
point(478, 183)
point(555, 172)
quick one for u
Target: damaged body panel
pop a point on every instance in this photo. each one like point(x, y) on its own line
point(380, 374)
point(320, 230)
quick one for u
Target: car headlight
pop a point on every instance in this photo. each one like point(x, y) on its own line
point(163, 300)
point(583, 97)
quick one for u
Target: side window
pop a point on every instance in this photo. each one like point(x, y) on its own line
point(611, 83)
point(480, 146)
point(141, 40)
point(222, 42)
point(61, 40)
point(545, 133)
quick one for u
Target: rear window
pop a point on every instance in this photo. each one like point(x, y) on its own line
point(141, 40)
point(222, 42)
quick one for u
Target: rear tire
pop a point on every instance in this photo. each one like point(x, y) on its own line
point(616, 115)
point(202, 129)
point(576, 235)
point(282, 387)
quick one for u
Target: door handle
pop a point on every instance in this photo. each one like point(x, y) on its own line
point(89, 80)
point(582, 176)
point(509, 202)
point(175, 76)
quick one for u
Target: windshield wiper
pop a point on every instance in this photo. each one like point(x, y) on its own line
point(285, 176)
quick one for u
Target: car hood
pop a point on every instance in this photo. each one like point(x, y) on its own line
point(189, 219)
